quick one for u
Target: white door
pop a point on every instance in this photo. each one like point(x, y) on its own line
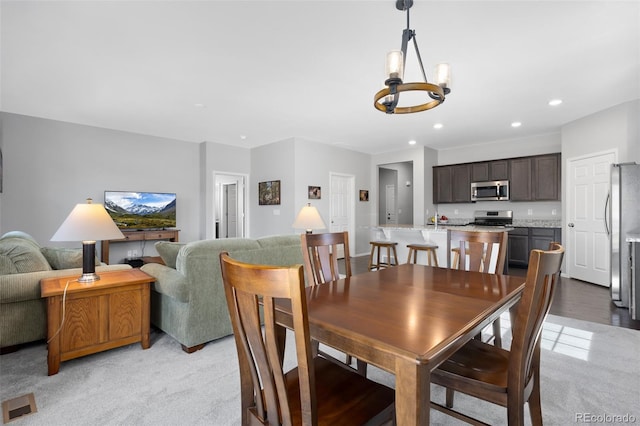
point(392, 217)
point(230, 214)
point(587, 234)
point(342, 207)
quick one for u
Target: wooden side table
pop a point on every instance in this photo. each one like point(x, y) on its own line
point(106, 314)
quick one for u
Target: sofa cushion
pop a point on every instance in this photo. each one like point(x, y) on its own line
point(65, 258)
point(168, 251)
point(19, 254)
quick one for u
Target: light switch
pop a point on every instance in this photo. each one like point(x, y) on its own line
point(276, 212)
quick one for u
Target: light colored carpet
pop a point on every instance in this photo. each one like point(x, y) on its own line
point(588, 370)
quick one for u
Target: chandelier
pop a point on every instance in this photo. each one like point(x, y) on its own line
point(387, 99)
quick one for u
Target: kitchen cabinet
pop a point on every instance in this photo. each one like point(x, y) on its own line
point(535, 178)
point(490, 170)
point(522, 240)
point(452, 184)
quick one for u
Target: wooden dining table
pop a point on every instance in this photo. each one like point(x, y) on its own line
point(406, 320)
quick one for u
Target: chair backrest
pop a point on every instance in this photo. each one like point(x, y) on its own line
point(320, 253)
point(542, 277)
point(263, 390)
point(477, 248)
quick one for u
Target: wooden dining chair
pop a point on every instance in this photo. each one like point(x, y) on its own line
point(474, 251)
point(320, 253)
point(317, 391)
point(508, 378)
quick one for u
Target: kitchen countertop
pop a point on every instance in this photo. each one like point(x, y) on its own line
point(464, 225)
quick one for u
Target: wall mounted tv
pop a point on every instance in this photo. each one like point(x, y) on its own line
point(141, 210)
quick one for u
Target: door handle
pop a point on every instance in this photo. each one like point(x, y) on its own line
point(571, 225)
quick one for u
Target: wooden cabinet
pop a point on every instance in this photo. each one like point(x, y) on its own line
point(452, 184)
point(85, 319)
point(535, 178)
point(146, 235)
point(518, 247)
point(522, 240)
point(490, 170)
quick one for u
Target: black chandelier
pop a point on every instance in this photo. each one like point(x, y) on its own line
point(386, 100)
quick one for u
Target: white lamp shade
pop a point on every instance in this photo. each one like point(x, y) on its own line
point(309, 218)
point(88, 222)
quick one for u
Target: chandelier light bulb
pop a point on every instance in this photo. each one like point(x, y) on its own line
point(443, 75)
point(395, 64)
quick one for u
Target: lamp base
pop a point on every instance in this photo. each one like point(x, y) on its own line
point(88, 278)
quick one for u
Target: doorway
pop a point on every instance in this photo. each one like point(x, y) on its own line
point(588, 183)
point(395, 193)
point(230, 199)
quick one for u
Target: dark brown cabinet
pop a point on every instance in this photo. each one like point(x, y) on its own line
point(522, 240)
point(535, 178)
point(490, 170)
point(452, 184)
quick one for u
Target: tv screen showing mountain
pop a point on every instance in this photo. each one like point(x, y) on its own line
point(141, 210)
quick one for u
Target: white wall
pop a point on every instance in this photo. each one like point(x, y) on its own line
point(50, 166)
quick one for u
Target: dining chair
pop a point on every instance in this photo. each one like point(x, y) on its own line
point(316, 391)
point(320, 253)
point(509, 378)
point(474, 251)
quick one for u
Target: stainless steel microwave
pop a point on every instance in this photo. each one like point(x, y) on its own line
point(495, 190)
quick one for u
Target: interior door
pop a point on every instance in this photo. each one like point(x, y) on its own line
point(230, 205)
point(587, 234)
point(230, 210)
point(391, 215)
point(342, 207)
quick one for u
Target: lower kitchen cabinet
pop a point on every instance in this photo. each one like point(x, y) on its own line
point(523, 240)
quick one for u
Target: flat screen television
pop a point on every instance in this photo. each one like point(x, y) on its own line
point(141, 210)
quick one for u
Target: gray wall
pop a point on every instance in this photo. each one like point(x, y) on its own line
point(397, 174)
point(50, 166)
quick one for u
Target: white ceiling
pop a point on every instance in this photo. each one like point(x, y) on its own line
point(272, 70)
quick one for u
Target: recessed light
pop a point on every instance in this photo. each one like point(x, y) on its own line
point(199, 105)
point(437, 126)
point(243, 137)
point(555, 102)
point(412, 142)
point(516, 124)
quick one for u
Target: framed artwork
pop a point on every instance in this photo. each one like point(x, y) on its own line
point(314, 193)
point(364, 195)
point(269, 193)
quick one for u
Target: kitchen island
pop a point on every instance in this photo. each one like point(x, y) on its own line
point(420, 234)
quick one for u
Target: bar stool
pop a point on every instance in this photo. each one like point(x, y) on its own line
point(379, 245)
point(430, 249)
point(456, 257)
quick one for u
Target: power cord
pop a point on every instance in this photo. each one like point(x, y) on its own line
point(64, 305)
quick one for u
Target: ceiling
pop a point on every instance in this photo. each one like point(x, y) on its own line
point(248, 73)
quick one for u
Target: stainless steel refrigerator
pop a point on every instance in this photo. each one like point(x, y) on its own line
point(624, 220)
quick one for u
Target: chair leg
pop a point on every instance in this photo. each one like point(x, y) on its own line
point(395, 256)
point(449, 398)
point(497, 333)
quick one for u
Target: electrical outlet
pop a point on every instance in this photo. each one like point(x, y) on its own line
point(554, 212)
point(529, 212)
point(129, 254)
point(135, 253)
point(455, 211)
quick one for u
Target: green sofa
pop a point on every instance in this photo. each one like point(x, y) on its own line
point(187, 298)
point(23, 263)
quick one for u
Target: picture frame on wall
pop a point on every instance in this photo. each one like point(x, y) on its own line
point(269, 193)
point(315, 192)
point(364, 195)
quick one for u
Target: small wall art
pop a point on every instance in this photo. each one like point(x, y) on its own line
point(315, 193)
point(269, 193)
point(364, 195)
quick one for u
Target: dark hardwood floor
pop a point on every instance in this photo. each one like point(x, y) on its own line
point(574, 299)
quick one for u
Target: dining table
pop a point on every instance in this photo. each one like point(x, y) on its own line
point(406, 320)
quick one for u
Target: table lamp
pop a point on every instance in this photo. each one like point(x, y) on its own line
point(88, 223)
point(309, 219)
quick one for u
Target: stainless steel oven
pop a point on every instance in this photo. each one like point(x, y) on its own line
point(495, 190)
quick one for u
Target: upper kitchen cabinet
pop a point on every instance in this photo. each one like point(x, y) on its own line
point(490, 170)
point(452, 184)
point(535, 178)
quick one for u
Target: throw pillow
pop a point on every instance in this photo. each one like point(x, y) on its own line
point(64, 258)
point(168, 251)
point(20, 255)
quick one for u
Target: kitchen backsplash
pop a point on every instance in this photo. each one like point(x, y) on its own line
point(539, 211)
